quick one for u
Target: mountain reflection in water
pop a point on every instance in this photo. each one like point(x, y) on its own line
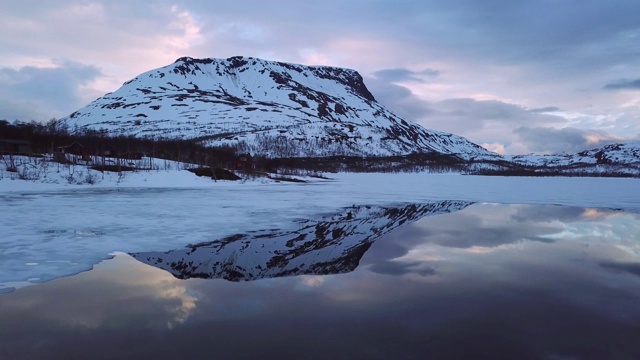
point(486, 282)
point(331, 245)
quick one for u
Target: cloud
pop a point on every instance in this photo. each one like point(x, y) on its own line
point(470, 229)
point(624, 85)
point(146, 297)
point(489, 237)
point(496, 125)
point(508, 32)
point(492, 110)
point(31, 93)
point(398, 99)
point(487, 122)
point(187, 30)
point(544, 109)
point(547, 213)
point(452, 115)
point(402, 74)
point(570, 140)
point(124, 39)
point(631, 268)
point(398, 268)
point(496, 147)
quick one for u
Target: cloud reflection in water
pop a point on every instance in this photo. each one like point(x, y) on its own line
point(496, 281)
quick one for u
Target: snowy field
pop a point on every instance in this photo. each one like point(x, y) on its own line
point(49, 230)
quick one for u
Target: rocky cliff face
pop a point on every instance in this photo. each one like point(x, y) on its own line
point(330, 245)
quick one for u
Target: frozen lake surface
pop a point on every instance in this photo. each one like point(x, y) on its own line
point(360, 266)
point(51, 231)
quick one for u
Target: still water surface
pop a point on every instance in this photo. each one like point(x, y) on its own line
point(443, 281)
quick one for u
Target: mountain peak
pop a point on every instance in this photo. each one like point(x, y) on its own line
point(280, 71)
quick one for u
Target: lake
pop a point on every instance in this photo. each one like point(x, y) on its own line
point(205, 273)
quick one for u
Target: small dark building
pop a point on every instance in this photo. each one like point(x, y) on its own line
point(75, 148)
point(132, 156)
point(60, 157)
point(111, 153)
point(245, 162)
point(15, 147)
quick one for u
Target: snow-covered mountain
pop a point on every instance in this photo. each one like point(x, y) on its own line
point(331, 245)
point(267, 108)
point(279, 109)
point(614, 158)
point(627, 153)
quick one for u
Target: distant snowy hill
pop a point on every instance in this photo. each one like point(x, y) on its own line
point(331, 245)
point(628, 153)
point(617, 158)
point(267, 108)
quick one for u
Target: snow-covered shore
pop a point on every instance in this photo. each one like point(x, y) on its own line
point(22, 173)
point(338, 189)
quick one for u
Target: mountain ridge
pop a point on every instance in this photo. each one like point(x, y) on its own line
point(620, 159)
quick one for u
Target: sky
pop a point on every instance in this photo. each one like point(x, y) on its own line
point(517, 77)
